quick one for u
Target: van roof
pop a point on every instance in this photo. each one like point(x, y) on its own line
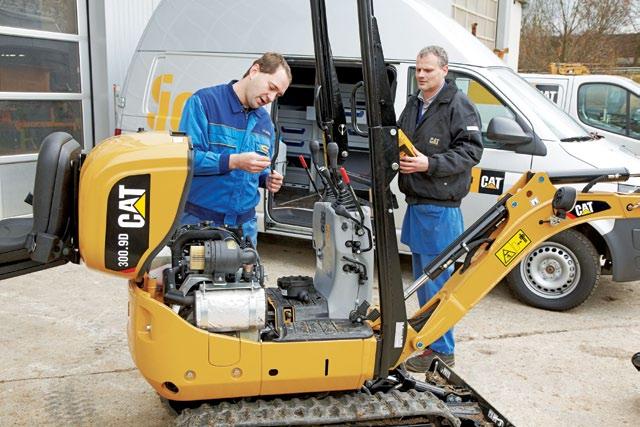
point(257, 26)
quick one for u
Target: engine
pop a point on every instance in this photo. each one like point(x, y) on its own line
point(215, 281)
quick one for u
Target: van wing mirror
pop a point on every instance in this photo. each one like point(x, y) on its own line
point(507, 131)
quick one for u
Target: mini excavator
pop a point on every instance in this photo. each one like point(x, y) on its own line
point(313, 350)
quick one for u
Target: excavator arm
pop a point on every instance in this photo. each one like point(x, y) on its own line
point(528, 214)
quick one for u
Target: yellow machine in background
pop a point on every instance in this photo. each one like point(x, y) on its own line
point(568, 68)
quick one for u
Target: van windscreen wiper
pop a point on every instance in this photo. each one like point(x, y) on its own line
point(577, 138)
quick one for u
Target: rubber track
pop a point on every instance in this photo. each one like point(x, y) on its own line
point(353, 408)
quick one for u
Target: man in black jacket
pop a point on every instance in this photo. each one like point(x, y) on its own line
point(445, 129)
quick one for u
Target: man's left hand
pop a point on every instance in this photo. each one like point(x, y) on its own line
point(274, 181)
point(413, 164)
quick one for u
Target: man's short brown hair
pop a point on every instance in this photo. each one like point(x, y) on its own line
point(269, 64)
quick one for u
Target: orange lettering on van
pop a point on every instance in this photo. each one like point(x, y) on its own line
point(162, 98)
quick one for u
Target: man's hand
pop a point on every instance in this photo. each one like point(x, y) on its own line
point(419, 163)
point(274, 181)
point(250, 162)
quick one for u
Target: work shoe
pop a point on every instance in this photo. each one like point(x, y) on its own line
point(422, 362)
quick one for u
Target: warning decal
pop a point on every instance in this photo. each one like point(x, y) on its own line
point(513, 247)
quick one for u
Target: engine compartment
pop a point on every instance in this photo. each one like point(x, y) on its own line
point(216, 282)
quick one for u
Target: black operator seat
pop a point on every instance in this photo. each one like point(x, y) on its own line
point(31, 244)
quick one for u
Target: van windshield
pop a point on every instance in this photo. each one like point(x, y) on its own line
point(559, 122)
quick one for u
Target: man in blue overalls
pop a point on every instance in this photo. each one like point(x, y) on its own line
point(444, 127)
point(233, 140)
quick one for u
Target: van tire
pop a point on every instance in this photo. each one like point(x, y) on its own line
point(558, 275)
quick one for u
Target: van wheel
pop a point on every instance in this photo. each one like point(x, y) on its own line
point(558, 275)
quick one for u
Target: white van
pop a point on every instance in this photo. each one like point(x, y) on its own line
point(187, 46)
point(606, 105)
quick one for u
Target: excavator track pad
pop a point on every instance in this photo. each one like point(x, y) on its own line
point(443, 399)
point(355, 408)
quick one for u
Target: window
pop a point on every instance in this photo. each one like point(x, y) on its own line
point(610, 108)
point(38, 65)
point(41, 82)
point(24, 124)
point(58, 16)
point(634, 116)
point(488, 105)
point(481, 14)
point(562, 125)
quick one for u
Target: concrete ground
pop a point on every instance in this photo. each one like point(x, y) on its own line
point(64, 358)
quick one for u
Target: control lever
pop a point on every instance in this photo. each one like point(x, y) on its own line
point(314, 152)
point(314, 148)
point(347, 182)
point(328, 181)
point(303, 162)
point(323, 173)
point(332, 155)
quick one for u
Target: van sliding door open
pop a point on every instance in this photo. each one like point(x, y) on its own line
point(292, 206)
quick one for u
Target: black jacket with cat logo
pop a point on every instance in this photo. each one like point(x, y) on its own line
point(449, 134)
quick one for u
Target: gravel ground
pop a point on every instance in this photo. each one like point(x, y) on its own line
point(65, 361)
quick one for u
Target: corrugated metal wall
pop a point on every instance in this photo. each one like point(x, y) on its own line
point(125, 23)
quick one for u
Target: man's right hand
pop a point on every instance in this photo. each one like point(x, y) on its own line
point(250, 162)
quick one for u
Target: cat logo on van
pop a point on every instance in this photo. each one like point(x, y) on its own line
point(487, 181)
point(127, 234)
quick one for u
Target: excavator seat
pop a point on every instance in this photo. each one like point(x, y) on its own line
point(44, 241)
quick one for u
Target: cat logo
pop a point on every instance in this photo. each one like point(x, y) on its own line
point(434, 141)
point(486, 181)
point(128, 216)
point(587, 207)
point(132, 204)
point(491, 182)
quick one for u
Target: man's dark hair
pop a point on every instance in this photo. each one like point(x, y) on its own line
point(269, 64)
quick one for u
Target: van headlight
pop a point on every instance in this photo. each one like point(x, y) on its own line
point(628, 188)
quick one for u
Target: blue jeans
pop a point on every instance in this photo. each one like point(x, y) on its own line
point(428, 230)
point(249, 228)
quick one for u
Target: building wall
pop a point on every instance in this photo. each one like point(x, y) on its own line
point(125, 22)
point(508, 34)
point(481, 14)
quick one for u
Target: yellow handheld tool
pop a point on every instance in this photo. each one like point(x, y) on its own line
point(405, 144)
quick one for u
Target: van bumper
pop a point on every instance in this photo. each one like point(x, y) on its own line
point(624, 243)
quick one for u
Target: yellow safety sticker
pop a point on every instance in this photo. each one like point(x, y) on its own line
point(513, 247)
